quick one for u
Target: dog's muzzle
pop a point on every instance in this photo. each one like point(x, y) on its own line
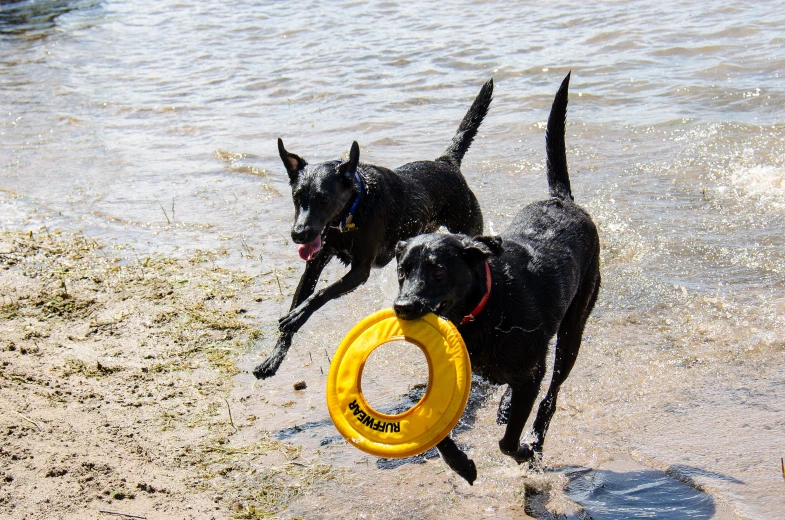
point(304, 234)
point(409, 309)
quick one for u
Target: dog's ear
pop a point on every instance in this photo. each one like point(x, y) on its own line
point(399, 247)
point(494, 243)
point(349, 167)
point(293, 163)
point(480, 248)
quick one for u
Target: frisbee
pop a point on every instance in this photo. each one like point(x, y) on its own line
point(430, 420)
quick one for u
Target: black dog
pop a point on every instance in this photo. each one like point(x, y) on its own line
point(510, 294)
point(358, 212)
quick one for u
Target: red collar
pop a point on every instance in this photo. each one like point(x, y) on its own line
point(480, 306)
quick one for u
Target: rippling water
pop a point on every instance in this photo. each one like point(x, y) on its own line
point(152, 125)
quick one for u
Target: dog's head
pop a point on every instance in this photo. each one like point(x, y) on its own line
point(320, 193)
point(441, 273)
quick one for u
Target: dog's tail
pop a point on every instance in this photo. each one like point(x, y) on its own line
point(469, 126)
point(558, 178)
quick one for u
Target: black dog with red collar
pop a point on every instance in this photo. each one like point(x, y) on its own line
point(540, 278)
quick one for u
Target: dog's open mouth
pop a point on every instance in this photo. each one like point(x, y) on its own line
point(311, 248)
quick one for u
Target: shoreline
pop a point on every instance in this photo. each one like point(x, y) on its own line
point(124, 387)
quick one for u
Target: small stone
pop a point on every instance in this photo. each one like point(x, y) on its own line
point(300, 385)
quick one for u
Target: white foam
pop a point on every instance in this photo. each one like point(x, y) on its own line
point(764, 181)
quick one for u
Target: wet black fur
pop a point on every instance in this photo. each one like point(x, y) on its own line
point(545, 279)
point(416, 198)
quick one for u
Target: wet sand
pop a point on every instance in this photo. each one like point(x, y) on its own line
point(121, 392)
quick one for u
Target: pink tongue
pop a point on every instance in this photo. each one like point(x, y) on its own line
point(308, 250)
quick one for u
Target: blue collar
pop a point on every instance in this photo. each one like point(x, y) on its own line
point(347, 224)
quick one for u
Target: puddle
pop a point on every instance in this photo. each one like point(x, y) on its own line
point(621, 489)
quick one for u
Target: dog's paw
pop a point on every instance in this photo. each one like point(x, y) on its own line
point(531, 455)
point(293, 320)
point(265, 369)
point(468, 471)
point(509, 449)
point(463, 466)
point(524, 454)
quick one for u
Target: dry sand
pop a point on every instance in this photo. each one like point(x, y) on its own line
point(114, 382)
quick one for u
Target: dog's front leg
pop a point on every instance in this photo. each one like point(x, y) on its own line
point(269, 366)
point(457, 460)
point(310, 277)
point(356, 276)
point(308, 281)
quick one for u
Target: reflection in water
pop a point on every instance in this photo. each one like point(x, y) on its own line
point(481, 391)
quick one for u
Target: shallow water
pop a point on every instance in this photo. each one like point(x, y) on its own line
point(152, 126)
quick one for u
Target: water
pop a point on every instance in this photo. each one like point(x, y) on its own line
point(635, 493)
point(152, 126)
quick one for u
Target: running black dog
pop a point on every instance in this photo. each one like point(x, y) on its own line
point(510, 294)
point(358, 212)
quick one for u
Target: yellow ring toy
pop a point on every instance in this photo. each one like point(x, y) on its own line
point(435, 414)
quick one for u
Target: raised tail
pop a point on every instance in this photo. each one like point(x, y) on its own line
point(469, 126)
point(558, 178)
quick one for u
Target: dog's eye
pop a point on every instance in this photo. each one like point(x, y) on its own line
point(437, 272)
point(401, 273)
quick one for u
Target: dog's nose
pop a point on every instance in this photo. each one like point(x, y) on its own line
point(303, 234)
point(407, 309)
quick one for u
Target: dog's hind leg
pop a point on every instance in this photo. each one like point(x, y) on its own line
point(521, 401)
point(568, 342)
point(308, 281)
point(503, 412)
point(464, 216)
point(457, 460)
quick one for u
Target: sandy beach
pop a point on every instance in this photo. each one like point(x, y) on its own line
point(115, 383)
point(146, 253)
